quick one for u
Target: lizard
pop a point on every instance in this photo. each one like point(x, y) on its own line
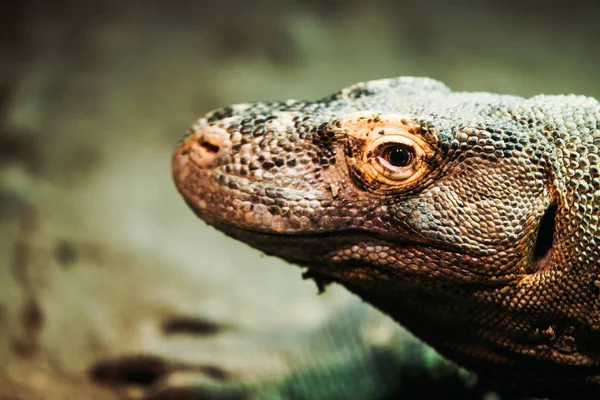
point(470, 218)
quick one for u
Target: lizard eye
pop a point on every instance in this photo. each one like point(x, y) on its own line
point(385, 153)
point(397, 159)
point(397, 156)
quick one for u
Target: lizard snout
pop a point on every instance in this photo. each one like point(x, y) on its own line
point(196, 157)
point(205, 148)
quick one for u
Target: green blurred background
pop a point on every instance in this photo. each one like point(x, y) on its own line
point(97, 250)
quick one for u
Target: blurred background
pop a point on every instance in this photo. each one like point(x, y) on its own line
point(99, 257)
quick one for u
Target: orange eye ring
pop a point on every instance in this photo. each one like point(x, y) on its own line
point(397, 158)
point(387, 151)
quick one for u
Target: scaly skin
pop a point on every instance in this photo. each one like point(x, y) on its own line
point(470, 218)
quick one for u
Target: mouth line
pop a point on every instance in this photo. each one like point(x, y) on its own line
point(233, 231)
point(229, 227)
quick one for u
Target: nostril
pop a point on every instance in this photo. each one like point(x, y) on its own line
point(211, 148)
point(139, 371)
point(192, 326)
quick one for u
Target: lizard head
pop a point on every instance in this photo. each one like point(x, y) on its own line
point(437, 207)
point(400, 179)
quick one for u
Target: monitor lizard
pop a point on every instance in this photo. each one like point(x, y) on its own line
point(470, 218)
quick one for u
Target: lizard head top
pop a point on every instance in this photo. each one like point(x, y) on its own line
point(447, 210)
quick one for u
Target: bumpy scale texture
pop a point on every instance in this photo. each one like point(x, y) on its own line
point(470, 218)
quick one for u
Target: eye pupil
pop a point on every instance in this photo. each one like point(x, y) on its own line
point(400, 156)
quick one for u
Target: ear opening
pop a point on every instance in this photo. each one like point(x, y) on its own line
point(544, 243)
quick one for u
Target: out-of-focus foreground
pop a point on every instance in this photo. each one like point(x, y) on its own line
point(100, 257)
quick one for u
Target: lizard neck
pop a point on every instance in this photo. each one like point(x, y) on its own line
point(497, 337)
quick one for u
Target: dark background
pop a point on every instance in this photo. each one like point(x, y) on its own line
point(97, 248)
